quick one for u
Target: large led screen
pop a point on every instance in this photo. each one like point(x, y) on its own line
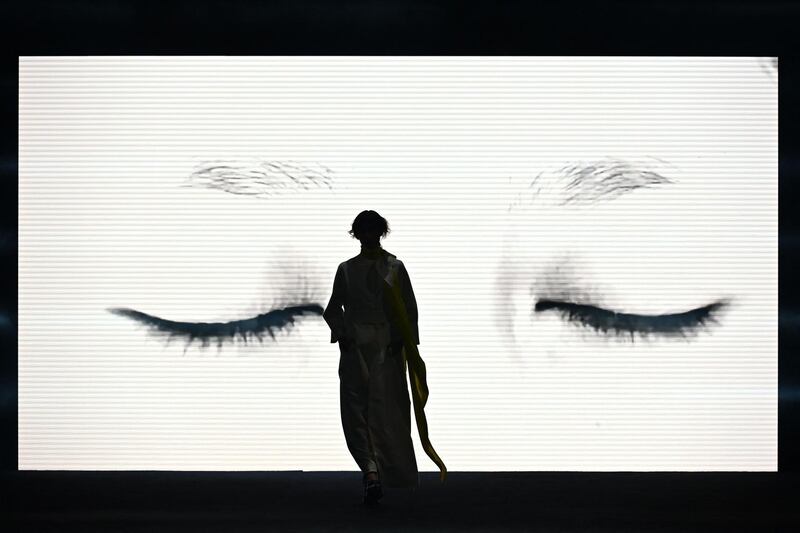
point(592, 243)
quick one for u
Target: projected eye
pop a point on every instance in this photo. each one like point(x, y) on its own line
point(626, 324)
point(251, 328)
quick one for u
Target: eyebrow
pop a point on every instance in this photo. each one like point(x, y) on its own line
point(259, 177)
point(589, 183)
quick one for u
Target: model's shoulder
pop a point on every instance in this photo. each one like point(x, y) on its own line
point(393, 260)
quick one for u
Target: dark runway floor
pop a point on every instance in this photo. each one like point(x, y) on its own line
point(330, 501)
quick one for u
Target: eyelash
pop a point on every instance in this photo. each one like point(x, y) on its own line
point(277, 319)
point(610, 323)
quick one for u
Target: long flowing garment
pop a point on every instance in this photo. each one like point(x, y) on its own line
point(375, 407)
point(380, 318)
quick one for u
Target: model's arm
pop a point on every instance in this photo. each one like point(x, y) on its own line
point(334, 314)
point(410, 301)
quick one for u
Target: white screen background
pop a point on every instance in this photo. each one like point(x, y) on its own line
point(445, 148)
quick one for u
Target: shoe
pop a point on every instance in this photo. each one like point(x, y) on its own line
point(372, 491)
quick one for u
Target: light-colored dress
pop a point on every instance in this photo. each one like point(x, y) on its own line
point(374, 399)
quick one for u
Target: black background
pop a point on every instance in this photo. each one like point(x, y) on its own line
point(479, 501)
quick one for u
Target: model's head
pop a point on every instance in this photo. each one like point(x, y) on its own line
point(368, 227)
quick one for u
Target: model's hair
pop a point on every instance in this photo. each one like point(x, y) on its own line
point(366, 221)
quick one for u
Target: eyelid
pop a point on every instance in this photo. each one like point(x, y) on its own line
point(276, 319)
point(599, 319)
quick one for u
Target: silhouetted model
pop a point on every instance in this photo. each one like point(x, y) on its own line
point(377, 333)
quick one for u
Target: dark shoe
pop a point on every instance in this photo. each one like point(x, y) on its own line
point(372, 491)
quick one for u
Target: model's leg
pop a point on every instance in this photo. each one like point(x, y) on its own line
point(376, 408)
point(389, 418)
point(353, 398)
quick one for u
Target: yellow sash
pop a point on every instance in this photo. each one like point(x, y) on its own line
point(416, 370)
